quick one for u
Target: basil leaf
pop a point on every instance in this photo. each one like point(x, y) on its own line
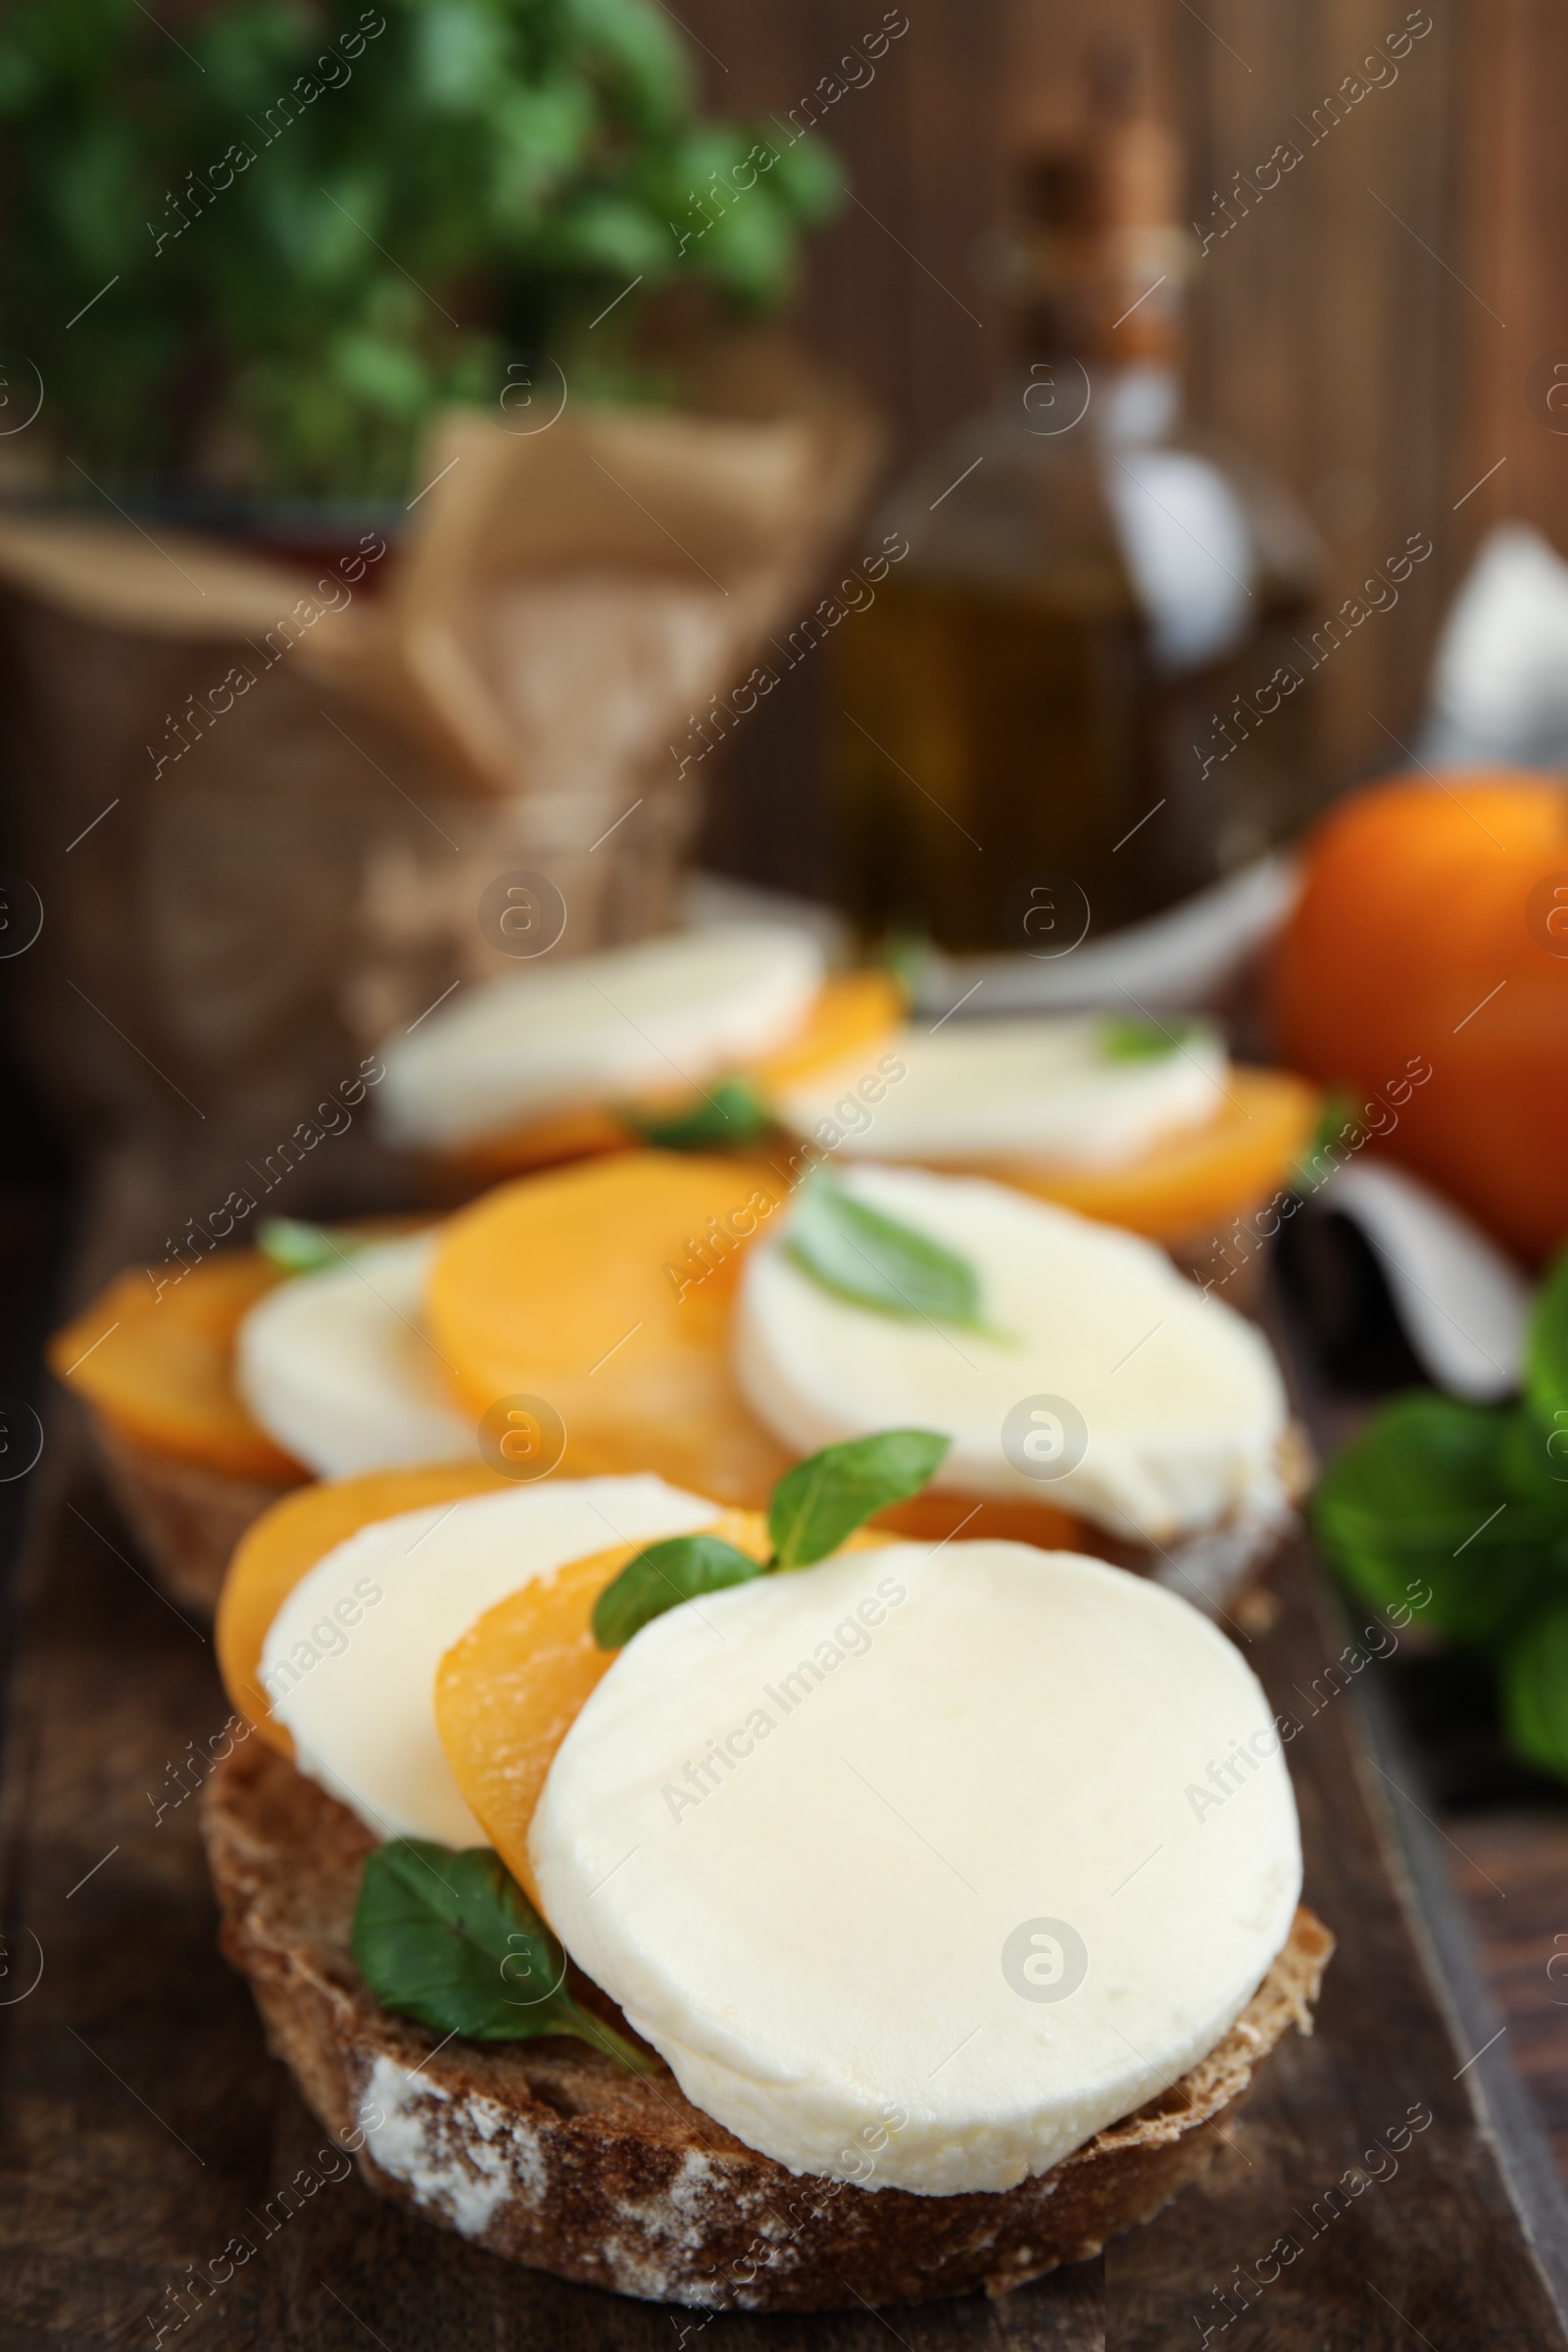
point(451, 1941)
point(733, 1113)
point(826, 1497)
point(814, 1506)
point(663, 1576)
point(1121, 1040)
point(1424, 1495)
point(874, 1261)
point(1533, 1459)
point(1534, 1691)
point(301, 1248)
point(1547, 1347)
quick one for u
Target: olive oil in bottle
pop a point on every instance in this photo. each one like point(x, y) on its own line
point(1085, 668)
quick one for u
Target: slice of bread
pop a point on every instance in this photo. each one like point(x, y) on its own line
point(552, 2154)
point(186, 1516)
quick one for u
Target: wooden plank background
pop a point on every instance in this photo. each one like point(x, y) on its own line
point(1367, 331)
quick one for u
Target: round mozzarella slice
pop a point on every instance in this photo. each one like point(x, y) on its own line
point(339, 1369)
point(1037, 1089)
point(1175, 1407)
point(922, 1866)
point(664, 1013)
point(348, 1662)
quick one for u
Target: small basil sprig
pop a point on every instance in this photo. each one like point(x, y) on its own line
point(874, 1261)
point(451, 1941)
point(299, 1247)
point(816, 1506)
point(732, 1113)
point(1123, 1040)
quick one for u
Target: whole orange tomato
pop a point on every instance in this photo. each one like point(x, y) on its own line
point(1433, 930)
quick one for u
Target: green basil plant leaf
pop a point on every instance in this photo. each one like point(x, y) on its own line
point(734, 1112)
point(1423, 1494)
point(874, 1261)
point(1535, 1690)
point(1121, 1040)
point(301, 1248)
point(1533, 1460)
point(554, 152)
point(451, 1941)
point(825, 1498)
point(680, 1568)
point(1547, 1350)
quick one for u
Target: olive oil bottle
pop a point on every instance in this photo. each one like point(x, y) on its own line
point(1082, 680)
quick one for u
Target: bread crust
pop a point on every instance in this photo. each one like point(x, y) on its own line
point(549, 2153)
point(186, 1516)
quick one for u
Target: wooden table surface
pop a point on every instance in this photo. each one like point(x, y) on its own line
point(1512, 1871)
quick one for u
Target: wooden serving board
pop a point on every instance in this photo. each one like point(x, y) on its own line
point(142, 2124)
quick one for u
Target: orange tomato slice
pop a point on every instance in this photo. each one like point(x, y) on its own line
point(287, 1541)
point(512, 1150)
point(510, 1689)
point(1188, 1184)
point(160, 1369)
point(942, 1512)
point(855, 1012)
point(587, 1287)
point(607, 1290)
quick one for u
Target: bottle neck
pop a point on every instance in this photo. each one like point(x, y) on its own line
point(1124, 405)
point(1110, 298)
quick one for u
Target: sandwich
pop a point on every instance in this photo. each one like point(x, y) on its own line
point(730, 1038)
point(715, 1320)
point(683, 1039)
point(712, 1318)
point(1140, 1122)
point(722, 1907)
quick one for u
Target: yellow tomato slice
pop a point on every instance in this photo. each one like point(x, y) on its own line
point(288, 1539)
point(853, 1012)
point(606, 1289)
point(510, 1689)
point(856, 1013)
point(159, 1368)
point(1190, 1184)
point(566, 1135)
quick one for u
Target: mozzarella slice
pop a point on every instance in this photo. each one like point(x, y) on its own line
point(1179, 1403)
point(922, 1866)
point(664, 1013)
point(339, 1369)
point(348, 1661)
point(1037, 1089)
